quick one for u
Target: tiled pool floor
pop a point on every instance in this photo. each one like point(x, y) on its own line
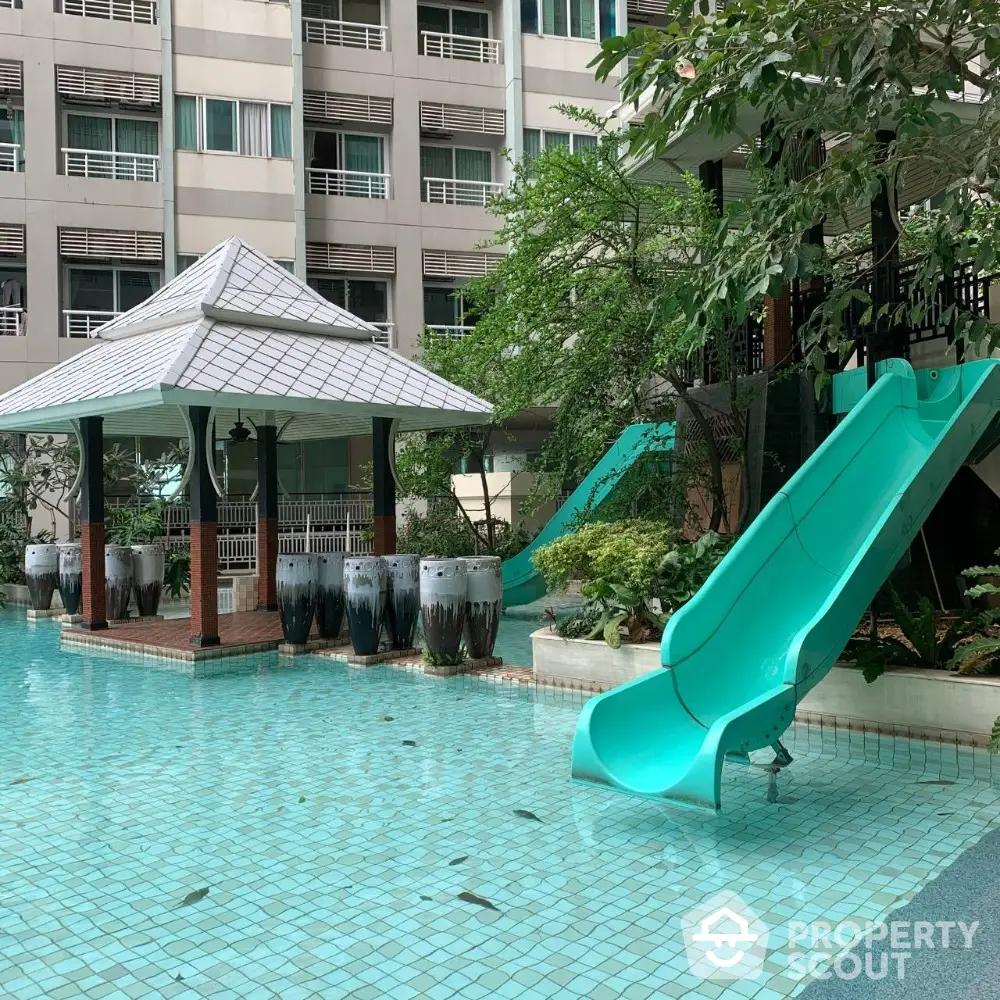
point(335, 815)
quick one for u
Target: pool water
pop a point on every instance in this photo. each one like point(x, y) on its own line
point(336, 815)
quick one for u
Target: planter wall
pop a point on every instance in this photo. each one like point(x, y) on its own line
point(71, 577)
point(403, 605)
point(588, 663)
point(41, 573)
point(482, 605)
point(444, 589)
point(366, 583)
point(117, 581)
point(330, 594)
point(148, 565)
point(297, 587)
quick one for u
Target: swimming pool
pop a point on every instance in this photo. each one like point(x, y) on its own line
point(374, 833)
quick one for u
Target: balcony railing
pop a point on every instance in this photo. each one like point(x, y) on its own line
point(386, 335)
point(468, 47)
point(444, 191)
point(348, 183)
point(136, 11)
point(350, 34)
point(11, 157)
point(11, 321)
point(86, 322)
point(454, 332)
point(112, 166)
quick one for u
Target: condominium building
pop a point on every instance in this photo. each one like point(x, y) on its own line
point(355, 141)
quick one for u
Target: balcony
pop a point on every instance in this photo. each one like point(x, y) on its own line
point(350, 34)
point(136, 11)
point(83, 323)
point(387, 334)
point(11, 321)
point(348, 183)
point(11, 158)
point(111, 166)
point(467, 47)
point(445, 191)
point(454, 332)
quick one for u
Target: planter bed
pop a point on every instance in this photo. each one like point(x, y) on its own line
point(589, 664)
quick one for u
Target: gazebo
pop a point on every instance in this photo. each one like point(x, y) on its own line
point(235, 331)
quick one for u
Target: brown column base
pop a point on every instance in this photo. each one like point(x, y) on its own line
point(204, 585)
point(95, 617)
point(267, 564)
point(385, 534)
point(779, 343)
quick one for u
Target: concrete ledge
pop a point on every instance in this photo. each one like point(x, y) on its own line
point(920, 704)
point(17, 593)
point(589, 663)
point(34, 615)
point(465, 667)
point(312, 646)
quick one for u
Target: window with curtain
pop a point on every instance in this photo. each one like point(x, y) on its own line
point(474, 23)
point(532, 143)
point(436, 161)
point(566, 18)
point(12, 126)
point(186, 122)
point(135, 287)
point(529, 17)
point(433, 19)
point(442, 306)
point(288, 265)
point(557, 140)
point(185, 260)
point(88, 132)
point(584, 143)
point(133, 135)
point(220, 125)
point(535, 140)
point(473, 165)
point(253, 129)
point(363, 153)
point(91, 289)
point(361, 11)
point(332, 289)
point(281, 131)
point(606, 16)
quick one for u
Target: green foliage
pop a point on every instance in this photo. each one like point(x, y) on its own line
point(981, 655)
point(444, 659)
point(177, 572)
point(134, 525)
point(449, 535)
point(687, 567)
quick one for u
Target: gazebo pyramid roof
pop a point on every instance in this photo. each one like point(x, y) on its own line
point(238, 331)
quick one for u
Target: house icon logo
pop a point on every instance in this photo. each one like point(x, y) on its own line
point(724, 939)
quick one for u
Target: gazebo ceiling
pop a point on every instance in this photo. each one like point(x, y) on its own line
point(236, 330)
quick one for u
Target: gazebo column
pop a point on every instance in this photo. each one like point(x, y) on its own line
point(204, 540)
point(267, 515)
point(92, 523)
point(383, 487)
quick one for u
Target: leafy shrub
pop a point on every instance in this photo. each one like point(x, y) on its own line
point(447, 535)
point(177, 572)
point(134, 525)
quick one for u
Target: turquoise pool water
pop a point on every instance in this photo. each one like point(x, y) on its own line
point(336, 816)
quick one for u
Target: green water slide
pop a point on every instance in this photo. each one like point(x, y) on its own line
point(522, 583)
point(772, 619)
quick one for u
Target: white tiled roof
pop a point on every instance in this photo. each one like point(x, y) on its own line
point(205, 339)
point(234, 278)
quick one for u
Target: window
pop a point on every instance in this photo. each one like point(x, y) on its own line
point(107, 289)
point(367, 299)
point(452, 21)
point(535, 140)
point(448, 163)
point(288, 265)
point(352, 11)
point(568, 18)
point(104, 133)
point(218, 125)
point(185, 260)
point(445, 307)
point(12, 139)
point(347, 164)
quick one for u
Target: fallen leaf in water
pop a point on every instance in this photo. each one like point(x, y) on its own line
point(458, 861)
point(525, 814)
point(936, 781)
point(387, 718)
point(471, 897)
point(427, 899)
point(302, 798)
point(21, 781)
point(178, 978)
point(945, 814)
point(409, 743)
point(194, 897)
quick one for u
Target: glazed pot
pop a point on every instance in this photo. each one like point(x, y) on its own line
point(330, 594)
point(443, 590)
point(482, 605)
point(148, 565)
point(296, 579)
point(366, 585)
point(71, 576)
point(117, 581)
point(403, 605)
point(41, 573)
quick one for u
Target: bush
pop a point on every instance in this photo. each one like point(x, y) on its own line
point(447, 535)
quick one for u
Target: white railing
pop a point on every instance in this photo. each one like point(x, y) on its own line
point(136, 11)
point(468, 47)
point(444, 191)
point(455, 332)
point(85, 322)
point(350, 34)
point(11, 157)
point(387, 334)
point(112, 166)
point(348, 183)
point(11, 321)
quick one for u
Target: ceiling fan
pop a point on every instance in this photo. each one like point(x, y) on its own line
point(238, 433)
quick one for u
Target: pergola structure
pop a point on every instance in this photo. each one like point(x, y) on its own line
point(234, 332)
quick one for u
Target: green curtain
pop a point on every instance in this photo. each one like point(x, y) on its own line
point(557, 140)
point(581, 18)
point(532, 142)
point(88, 132)
point(220, 125)
point(186, 122)
point(473, 165)
point(135, 136)
point(554, 17)
point(435, 161)
point(363, 153)
point(185, 260)
point(281, 131)
point(583, 143)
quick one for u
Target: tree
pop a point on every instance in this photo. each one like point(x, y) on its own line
point(875, 84)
